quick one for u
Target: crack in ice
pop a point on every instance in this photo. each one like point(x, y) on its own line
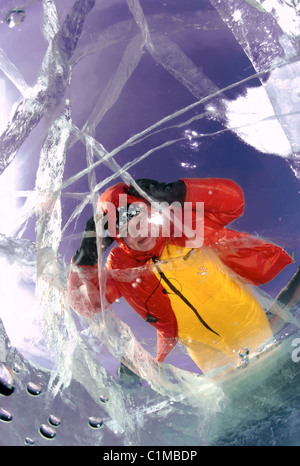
point(49, 98)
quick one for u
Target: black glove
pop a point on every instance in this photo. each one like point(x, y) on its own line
point(87, 253)
point(161, 192)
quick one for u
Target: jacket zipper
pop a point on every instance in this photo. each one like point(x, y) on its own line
point(183, 298)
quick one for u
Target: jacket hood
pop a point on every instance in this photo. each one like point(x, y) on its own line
point(113, 198)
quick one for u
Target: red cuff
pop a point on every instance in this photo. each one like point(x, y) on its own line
point(164, 346)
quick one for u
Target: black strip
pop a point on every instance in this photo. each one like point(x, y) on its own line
point(185, 258)
point(87, 253)
point(186, 301)
point(290, 291)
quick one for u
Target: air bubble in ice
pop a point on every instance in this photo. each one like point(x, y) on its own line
point(17, 368)
point(47, 431)
point(5, 416)
point(29, 441)
point(15, 17)
point(95, 422)
point(34, 389)
point(54, 420)
point(244, 355)
point(7, 383)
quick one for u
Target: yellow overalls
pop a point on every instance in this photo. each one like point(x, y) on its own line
point(216, 313)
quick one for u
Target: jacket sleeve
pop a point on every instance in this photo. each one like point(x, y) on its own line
point(164, 346)
point(252, 258)
point(223, 199)
point(83, 282)
point(84, 292)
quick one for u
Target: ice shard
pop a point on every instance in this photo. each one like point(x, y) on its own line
point(273, 49)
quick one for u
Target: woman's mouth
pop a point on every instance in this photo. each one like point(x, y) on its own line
point(146, 243)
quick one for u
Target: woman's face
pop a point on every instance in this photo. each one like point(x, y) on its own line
point(137, 234)
point(141, 243)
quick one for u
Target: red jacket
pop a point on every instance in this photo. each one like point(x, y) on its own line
point(253, 259)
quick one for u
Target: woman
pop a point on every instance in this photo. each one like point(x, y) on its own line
point(195, 294)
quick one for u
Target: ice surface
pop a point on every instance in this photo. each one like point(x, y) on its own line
point(86, 115)
point(272, 49)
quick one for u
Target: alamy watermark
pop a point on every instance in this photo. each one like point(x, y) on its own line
point(296, 352)
point(158, 219)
